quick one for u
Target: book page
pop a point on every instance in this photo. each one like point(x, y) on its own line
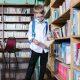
point(46, 44)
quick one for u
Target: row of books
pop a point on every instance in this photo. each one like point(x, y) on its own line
point(13, 34)
point(13, 10)
point(62, 70)
point(76, 22)
point(62, 51)
point(76, 75)
point(16, 18)
point(22, 45)
point(76, 53)
point(65, 31)
point(14, 26)
point(62, 9)
point(18, 54)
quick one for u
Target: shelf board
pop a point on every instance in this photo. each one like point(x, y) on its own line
point(77, 68)
point(8, 22)
point(17, 38)
point(48, 14)
point(57, 76)
point(14, 30)
point(76, 5)
point(21, 60)
point(12, 70)
point(66, 65)
point(57, 3)
point(17, 49)
point(14, 14)
point(24, 49)
point(58, 58)
point(17, 5)
point(63, 38)
point(62, 19)
point(77, 37)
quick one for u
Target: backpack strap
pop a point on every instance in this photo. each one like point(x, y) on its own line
point(46, 26)
point(33, 28)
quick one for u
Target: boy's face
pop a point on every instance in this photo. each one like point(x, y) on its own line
point(39, 16)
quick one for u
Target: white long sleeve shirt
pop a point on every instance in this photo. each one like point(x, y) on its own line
point(40, 35)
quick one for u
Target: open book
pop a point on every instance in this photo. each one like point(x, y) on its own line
point(46, 44)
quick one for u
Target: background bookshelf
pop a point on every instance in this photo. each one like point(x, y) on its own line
point(65, 27)
point(14, 21)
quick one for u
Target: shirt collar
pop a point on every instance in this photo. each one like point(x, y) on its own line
point(39, 21)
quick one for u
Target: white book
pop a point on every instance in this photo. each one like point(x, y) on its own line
point(46, 44)
point(28, 11)
point(18, 26)
point(68, 54)
point(1, 27)
point(60, 10)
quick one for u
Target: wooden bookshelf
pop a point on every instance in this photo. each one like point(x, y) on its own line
point(72, 39)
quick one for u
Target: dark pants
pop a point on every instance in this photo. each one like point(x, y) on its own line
point(32, 63)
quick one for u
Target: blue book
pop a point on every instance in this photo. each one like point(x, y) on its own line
point(76, 75)
point(75, 21)
point(63, 50)
point(56, 13)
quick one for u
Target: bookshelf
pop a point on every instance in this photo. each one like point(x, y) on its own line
point(65, 27)
point(14, 22)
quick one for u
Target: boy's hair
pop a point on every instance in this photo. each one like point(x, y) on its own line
point(39, 8)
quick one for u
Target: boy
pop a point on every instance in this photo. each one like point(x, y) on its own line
point(40, 37)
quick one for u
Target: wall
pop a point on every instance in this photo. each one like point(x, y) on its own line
point(17, 1)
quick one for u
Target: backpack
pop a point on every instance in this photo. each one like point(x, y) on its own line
point(33, 28)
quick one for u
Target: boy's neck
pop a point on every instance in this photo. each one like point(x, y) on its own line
point(39, 21)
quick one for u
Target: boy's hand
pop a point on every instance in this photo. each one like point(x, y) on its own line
point(49, 38)
point(35, 41)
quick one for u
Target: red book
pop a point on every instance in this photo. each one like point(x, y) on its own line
point(65, 69)
point(78, 47)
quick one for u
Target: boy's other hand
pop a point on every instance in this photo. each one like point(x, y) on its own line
point(35, 41)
